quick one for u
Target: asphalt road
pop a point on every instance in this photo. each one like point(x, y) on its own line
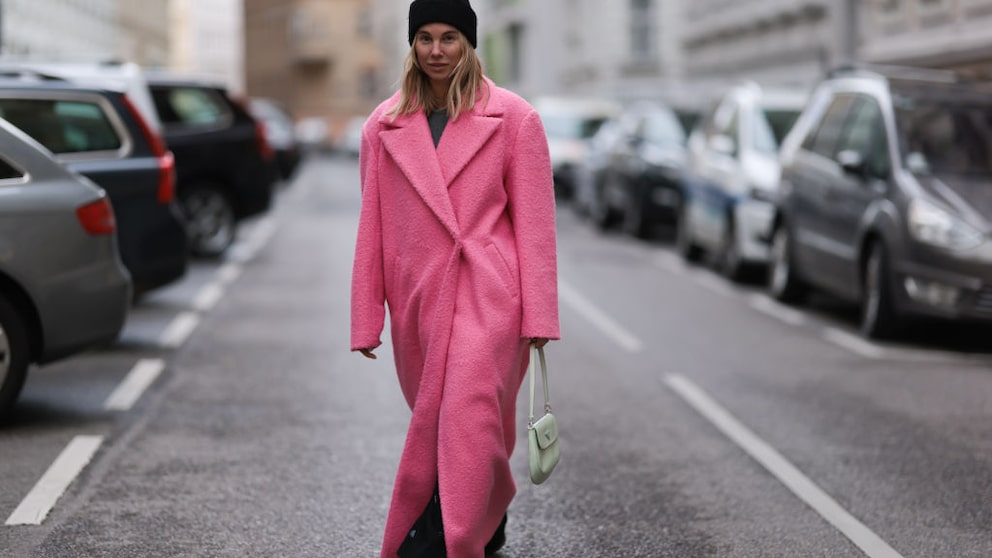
point(698, 418)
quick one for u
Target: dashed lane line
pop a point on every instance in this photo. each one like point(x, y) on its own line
point(853, 343)
point(142, 375)
point(599, 319)
point(42, 498)
point(781, 313)
point(179, 330)
point(806, 490)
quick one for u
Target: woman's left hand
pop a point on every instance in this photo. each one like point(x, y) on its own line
point(539, 341)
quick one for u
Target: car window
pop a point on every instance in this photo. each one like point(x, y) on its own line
point(191, 106)
point(865, 134)
point(770, 127)
point(63, 126)
point(946, 137)
point(571, 126)
point(823, 140)
point(663, 128)
point(8, 171)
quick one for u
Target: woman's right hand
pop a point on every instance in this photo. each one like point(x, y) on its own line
point(368, 353)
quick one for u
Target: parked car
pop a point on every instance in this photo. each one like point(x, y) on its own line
point(732, 175)
point(569, 123)
point(101, 134)
point(887, 198)
point(224, 164)
point(640, 185)
point(63, 288)
point(280, 133)
point(591, 169)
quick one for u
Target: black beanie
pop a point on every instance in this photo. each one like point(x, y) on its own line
point(456, 13)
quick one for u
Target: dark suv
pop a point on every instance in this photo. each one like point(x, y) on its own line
point(225, 166)
point(887, 197)
point(101, 134)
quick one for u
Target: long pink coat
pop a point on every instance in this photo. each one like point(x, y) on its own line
point(459, 241)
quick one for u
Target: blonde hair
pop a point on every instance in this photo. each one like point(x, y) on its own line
point(467, 85)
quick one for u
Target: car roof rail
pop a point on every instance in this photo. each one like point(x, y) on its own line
point(27, 74)
point(896, 72)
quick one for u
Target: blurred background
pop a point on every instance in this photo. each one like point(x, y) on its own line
point(329, 61)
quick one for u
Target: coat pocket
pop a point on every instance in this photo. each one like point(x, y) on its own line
point(503, 269)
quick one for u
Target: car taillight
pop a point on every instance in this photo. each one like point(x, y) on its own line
point(97, 217)
point(166, 161)
point(264, 147)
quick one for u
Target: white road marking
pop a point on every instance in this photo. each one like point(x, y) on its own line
point(821, 502)
point(208, 296)
point(179, 329)
point(50, 487)
point(598, 318)
point(713, 283)
point(782, 313)
point(134, 384)
point(669, 262)
point(853, 343)
point(229, 272)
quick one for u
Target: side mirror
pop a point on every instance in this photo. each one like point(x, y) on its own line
point(852, 162)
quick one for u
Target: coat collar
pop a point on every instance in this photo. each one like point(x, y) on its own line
point(408, 141)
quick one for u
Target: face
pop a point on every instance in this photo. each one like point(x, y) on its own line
point(439, 50)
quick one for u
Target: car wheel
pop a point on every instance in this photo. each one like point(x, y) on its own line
point(634, 222)
point(603, 215)
point(689, 250)
point(783, 283)
point(730, 262)
point(878, 316)
point(210, 220)
point(14, 355)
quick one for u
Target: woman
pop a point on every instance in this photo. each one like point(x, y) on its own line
point(457, 236)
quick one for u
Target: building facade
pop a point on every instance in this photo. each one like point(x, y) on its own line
point(318, 58)
point(934, 33)
point(207, 40)
point(85, 30)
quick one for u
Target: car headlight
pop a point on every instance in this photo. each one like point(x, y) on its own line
point(932, 225)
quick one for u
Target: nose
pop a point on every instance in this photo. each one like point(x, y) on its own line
point(435, 48)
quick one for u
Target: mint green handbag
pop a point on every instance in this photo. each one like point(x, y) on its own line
point(542, 434)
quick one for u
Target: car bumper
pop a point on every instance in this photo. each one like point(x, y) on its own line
point(753, 219)
point(83, 308)
point(941, 285)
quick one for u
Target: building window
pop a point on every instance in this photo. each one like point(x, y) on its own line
point(642, 29)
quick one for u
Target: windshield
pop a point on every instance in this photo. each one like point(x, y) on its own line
point(771, 126)
point(664, 128)
point(571, 126)
point(945, 136)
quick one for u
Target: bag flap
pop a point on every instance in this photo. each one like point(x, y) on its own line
point(546, 429)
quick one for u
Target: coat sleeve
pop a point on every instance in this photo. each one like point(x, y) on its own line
point(530, 188)
point(367, 283)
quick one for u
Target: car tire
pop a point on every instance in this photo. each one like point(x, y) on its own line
point(634, 222)
point(604, 216)
point(730, 263)
point(878, 316)
point(210, 220)
point(689, 250)
point(784, 284)
point(14, 355)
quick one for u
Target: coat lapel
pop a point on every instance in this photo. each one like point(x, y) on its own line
point(461, 140)
point(407, 139)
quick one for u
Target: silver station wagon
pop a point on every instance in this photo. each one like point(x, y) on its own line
point(63, 288)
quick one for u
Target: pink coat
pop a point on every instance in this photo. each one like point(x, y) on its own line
point(460, 243)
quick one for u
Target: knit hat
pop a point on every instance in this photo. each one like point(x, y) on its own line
point(456, 13)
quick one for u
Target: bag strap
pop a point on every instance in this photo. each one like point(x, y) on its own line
point(537, 354)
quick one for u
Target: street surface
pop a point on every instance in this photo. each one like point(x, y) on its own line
point(698, 418)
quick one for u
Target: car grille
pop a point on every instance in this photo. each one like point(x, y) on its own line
point(983, 302)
